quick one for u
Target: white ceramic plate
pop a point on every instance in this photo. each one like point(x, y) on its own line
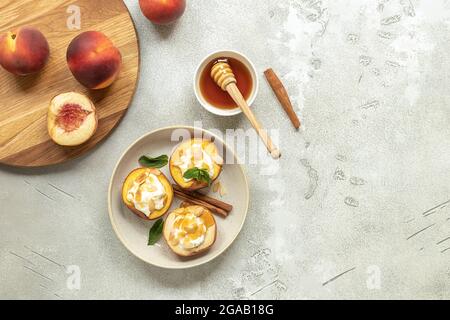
point(133, 231)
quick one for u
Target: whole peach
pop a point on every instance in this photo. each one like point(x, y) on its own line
point(162, 11)
point(94, 60)
point(23, 51)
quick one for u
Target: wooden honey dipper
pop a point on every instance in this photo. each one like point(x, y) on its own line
point(224, 77)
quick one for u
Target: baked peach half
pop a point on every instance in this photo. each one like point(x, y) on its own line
point(195, 153)
point(72, 119)
point(94, 60)
point(190, 231)
point(147, 193)
point(23, 51)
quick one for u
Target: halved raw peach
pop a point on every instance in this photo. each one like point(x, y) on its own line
point(137, 176)
point(177, 174)
point(72, 119)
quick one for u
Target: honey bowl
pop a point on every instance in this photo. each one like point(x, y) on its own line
point(211, 96)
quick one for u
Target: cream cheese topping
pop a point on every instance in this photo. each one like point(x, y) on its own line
point(147, 194)
point(189, 231)
point(197, 157)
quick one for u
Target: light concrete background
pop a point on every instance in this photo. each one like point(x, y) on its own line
point(360, 206)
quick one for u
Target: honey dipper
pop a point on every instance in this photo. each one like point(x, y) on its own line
point(223, 76)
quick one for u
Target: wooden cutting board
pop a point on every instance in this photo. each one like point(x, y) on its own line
point(24, 140)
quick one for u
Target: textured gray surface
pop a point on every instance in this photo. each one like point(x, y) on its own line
point(370, 80)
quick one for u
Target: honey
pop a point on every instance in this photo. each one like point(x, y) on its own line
point(214, 95)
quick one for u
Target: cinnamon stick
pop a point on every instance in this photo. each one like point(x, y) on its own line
point(282, 95)
point(215, 202)
point(188, 198)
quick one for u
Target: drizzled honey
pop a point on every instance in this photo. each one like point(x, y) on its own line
point(214, 95)
point(190, 227)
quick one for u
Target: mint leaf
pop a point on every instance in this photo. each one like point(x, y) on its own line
point(191, 174)
point(157, 162)
point(155, 232)
point(201, 175)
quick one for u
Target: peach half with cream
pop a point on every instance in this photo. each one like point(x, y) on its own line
point(147, 193)
point(190, 231)
point(72, 119)
point(195, 153)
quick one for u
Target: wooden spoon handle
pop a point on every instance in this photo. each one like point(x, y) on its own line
point(234, 92)
point(282, 95)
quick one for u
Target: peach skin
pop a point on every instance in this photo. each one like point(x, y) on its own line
point(94, 60)
point(23, 51)
point(162, 11)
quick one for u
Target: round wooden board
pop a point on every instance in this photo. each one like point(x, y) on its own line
point(24, 140)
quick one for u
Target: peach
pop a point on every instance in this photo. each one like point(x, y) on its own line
point(207, 148)
point(140, 176)
point(23, 51)
point(72, 119)
point(162, 11)
point(94, 60)
point(190, 231)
